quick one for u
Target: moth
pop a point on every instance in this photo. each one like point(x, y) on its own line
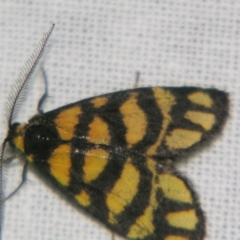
point(114, 155)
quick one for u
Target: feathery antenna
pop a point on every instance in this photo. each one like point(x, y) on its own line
point(15, 99)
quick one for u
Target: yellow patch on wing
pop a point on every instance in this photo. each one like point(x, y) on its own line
point(66, 122)
point(94, 163)
point(143, 225)
point(99, 101)
point(98, 132)
point(206, 120)
point(124, 190)
point(174, 237)
point(182, 138)
point(186, 219)
point(83, 198)
point(174, 188)
point(165, 101)
point(60, 164)
point(201, 98)
point(134, 119)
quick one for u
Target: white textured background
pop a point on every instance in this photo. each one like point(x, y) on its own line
point(97, 47)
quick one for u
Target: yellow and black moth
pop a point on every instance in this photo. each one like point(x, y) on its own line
point(113, 155)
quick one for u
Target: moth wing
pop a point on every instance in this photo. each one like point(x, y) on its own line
point(161, 122)
point(138, 201)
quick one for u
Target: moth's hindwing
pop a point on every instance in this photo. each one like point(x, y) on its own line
point(109, 155)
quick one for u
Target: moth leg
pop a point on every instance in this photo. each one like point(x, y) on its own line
point(137, 80)
point(24, 178)
point(45, 94)
point(113, 236)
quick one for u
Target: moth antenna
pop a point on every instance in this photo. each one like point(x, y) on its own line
point(20, 87)
point(15, 99)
